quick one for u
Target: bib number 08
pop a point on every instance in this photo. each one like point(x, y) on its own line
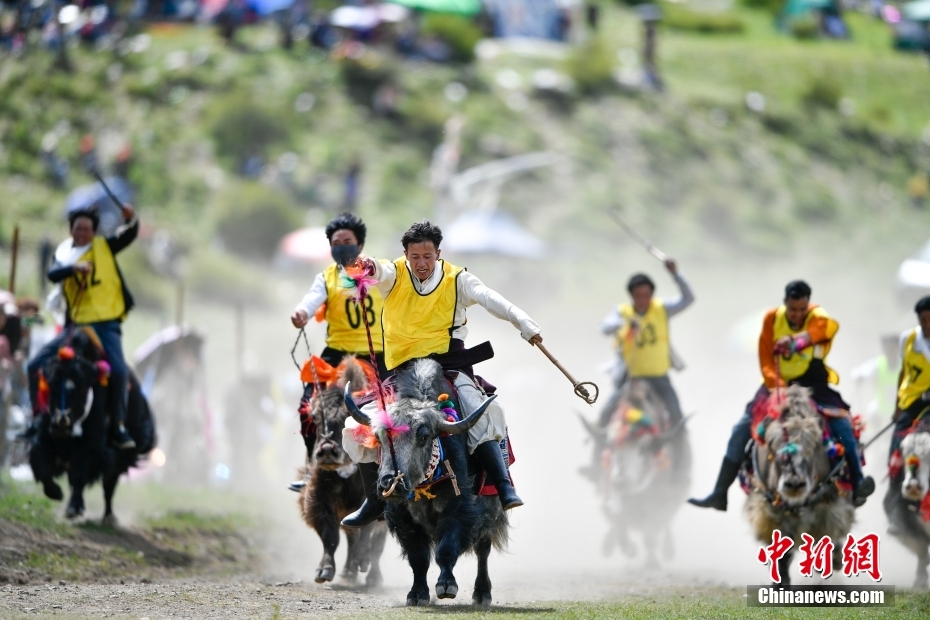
point(354, 314)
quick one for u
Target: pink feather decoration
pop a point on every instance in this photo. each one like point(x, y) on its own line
point(357, 283)
point(382, 420)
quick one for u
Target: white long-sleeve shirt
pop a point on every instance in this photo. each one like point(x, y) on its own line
point(315, 297)
point(673, 306)
point(470, 291)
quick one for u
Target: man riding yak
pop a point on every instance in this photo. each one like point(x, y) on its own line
point(912, 406)
point(345, 326)
point(641, 334)
point(97, 297)
point(425, 299)
point(793, 346)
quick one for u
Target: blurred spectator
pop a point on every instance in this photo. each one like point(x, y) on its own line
point(918, 188)
point(352, 181)
point(88, 149)
point(46, 252)
point(124, 161)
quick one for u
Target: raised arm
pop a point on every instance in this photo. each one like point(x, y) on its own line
point(472, 291)
point(685, 297)
point(126, 233)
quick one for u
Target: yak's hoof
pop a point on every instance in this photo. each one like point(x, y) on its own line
point(325, 573)
point(627, 548)
point(374, 580)
point(72, 512)
point(364, 564)
point(482, 600)
point(109, 521)
point(53, 491)
point(922, 583)
point(447, 590)
point(417, 599)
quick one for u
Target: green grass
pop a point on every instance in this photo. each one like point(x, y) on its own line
point(24, 505)
point(185, 522)
point(79, 567)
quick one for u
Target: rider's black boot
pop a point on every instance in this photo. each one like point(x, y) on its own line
point(120, 437)
point(491, 459)
point(718, 499)
point(865, 488)
point(373, 507)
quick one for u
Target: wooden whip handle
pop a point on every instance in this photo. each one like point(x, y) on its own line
point(579, 387)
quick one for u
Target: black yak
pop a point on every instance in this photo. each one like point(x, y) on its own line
point(73, 435)
point(334, 488)
point(428, 479)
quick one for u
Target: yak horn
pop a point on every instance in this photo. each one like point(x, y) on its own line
point(354, 411)
point(454, 428)
point(664, 438)
point(595, 431)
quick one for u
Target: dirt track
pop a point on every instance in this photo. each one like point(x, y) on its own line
point(181, 599)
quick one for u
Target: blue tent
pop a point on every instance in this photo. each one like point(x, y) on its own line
point(267, 7)
point(93, 195)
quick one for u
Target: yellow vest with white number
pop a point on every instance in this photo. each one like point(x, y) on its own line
point(643, 340)
point(417, 325)
point(796, 365)
point(916, 378)
point(102, 297)
point(345, 325)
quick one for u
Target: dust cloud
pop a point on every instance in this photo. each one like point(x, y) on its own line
point(556, 538)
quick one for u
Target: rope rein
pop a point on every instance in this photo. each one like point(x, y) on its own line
point(379, 393)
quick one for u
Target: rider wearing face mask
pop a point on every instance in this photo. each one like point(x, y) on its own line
point(345, 326)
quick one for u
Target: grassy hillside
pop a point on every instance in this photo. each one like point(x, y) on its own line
point(693, 159)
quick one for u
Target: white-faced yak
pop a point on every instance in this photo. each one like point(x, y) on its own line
point(428, 480)
point(792, 489)
point(909, 502)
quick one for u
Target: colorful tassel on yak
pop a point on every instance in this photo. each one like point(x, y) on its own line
point(356, 281)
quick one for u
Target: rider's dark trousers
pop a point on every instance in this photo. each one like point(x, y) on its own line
point(840, 427)
point(110, 334)
point(662, 386)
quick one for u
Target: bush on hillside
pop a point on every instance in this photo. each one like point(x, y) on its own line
point(591, 66)
point(678, 17)
point(822, 92)
point(363, 70)
point(253, 218)
point(460, 34)
point(773, 7)
point(242, 129)
point(804, 27)
point(814, 203)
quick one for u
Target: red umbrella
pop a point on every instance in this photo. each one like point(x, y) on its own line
point(308, 245)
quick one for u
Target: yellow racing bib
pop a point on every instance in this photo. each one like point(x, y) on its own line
point(916, 379)
point(796, 365)
point(643, 340)
point(102, 296)
point(417, 325)
point(345, 325)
